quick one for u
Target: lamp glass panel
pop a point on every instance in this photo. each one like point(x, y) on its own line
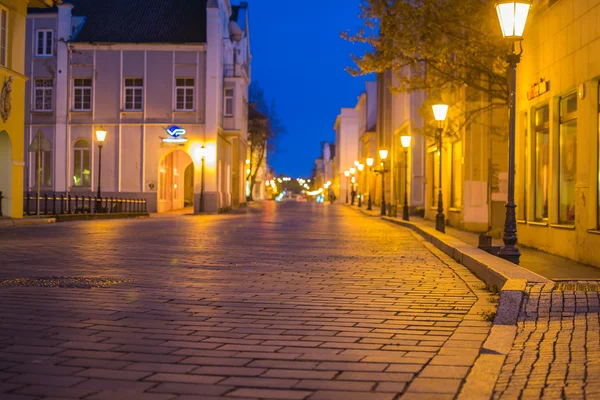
point(521, 13)
point(383, 154)
point(405, 141)
point(370, 162)
point(100, 135)
point(440, 111)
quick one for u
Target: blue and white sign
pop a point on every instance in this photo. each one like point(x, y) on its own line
point(175, 135)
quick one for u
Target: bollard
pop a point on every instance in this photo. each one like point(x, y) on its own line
point(62, 203)
point(69, 203)
point(46, 204)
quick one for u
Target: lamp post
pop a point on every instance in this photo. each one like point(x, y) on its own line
point(383, 155)
point(512, 16)
point(369, 164)
point(353, 179)
point(201, 154)
point(360, 169)
point(347, 174)
point(405, 144)
point(440, 111)
point(100, 137)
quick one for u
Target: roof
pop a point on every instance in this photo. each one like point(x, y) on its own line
point(141, 21)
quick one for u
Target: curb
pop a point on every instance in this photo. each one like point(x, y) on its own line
point(91, 217)
point(26, 222)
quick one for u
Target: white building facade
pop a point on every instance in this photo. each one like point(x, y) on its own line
point(162, 95)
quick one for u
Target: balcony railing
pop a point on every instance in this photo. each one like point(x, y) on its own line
point(80, 204)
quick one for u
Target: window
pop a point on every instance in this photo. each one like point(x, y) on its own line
point(185, 94)
point(46, 169)
point(434, 167)
point(82, 90)
point(43, 95)
point(81, 163)
point(567, 159)
point(229, 102)
point(44, 42)
point(456, 198)
point(134, 94)
point(3, 37)
point(542, 163)
point(522, 171)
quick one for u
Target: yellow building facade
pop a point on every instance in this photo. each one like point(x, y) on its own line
point(12, 102)
point(558, 178)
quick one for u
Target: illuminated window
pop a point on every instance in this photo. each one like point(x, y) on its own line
point(44, 42)
point(542, 163)
point(82, 94)
point(81, 163)
point(43, 95)
point(567, 159)
point(134, 94)
point(229, 102)
point(184, 89)
point(46, 169)
point(3, 37)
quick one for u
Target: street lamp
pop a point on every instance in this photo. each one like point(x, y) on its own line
point(352, 193)
point(201, 153)
point(440, 111)
point(100, 137)
point(405, 144)
point(360, 169)
point(383, 155)
point(370, 164)
point(347, 174)
point(512, 16)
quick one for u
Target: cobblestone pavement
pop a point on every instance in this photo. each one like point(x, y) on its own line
point(556, 353)
point(300, 301)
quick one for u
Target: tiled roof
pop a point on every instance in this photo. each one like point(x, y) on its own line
point(141, 21)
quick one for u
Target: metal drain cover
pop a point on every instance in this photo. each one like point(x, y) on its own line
point(63, 282)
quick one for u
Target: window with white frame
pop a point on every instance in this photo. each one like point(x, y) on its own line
point(81, 163)
point(82, 94)
point(43, 95)
point(44, 42)
point(3, 37)
point(229, 102)
point(184, 89)
point(134, 94)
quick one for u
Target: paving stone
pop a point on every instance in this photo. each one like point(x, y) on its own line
point(331, 305)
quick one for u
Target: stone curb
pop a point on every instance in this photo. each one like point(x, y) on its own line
point(90, 217)
point(26, 221)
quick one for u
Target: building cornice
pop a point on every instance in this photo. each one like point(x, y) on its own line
point(138, 46)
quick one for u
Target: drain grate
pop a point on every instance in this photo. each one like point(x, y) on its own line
point(578, 287)
point(63, 282)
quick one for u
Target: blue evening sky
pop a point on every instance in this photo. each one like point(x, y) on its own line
point(299, 59)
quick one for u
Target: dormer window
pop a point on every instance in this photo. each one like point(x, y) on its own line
point(44, 42)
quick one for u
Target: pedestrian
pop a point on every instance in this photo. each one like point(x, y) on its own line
point(331, 196)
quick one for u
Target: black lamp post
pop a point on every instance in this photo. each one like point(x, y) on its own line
point(352, 180)
point(512, 16)
point(100, 137)
point(405, 144)
point(370, 165)
point(440, 111)
point(360, 167)
point(383, 155)
point(347, 175)
point(201, 154)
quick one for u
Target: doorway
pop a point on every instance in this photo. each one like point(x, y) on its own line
point(6, 174)
point(175, 182)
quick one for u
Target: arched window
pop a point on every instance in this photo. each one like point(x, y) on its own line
point(81, 163)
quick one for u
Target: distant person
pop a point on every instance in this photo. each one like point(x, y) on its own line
point(331, 196)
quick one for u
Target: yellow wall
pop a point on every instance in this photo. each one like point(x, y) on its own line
point(562, 46)
point(15, 125)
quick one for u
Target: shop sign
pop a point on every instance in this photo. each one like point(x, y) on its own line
point(175, 135)
point(538, 89)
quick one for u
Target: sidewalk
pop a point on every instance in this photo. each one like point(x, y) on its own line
point(547, 265)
